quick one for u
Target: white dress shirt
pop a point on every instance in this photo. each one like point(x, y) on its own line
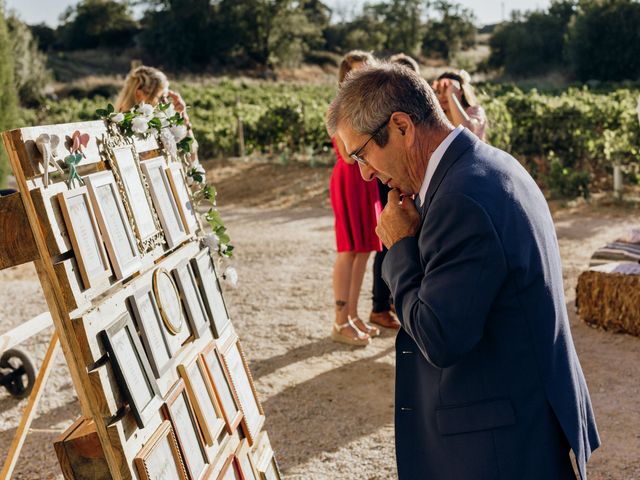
point(434, 161)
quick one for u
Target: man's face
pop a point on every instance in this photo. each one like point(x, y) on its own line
point(391, 163)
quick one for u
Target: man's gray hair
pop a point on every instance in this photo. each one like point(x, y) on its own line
point(369, 95)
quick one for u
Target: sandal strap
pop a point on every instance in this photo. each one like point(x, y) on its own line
point(349, 323)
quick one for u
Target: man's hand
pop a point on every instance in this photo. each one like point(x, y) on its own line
point(399, 219)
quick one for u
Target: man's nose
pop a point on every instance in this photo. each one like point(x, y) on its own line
point(367, 172)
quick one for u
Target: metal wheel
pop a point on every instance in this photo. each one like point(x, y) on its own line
point(17, 373)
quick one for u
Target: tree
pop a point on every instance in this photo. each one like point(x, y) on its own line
point(180, 34)
point(454, 31)
point(97, 23)
point(8, 96)
point(30, 64)
point(532, 43)
point(603, 41)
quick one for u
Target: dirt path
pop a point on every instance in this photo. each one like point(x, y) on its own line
point(330, 408)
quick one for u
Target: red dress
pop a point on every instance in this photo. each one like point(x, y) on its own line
point(356, 207)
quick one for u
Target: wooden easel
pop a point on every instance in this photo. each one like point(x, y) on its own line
point(33, 230)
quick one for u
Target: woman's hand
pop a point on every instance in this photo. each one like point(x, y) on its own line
point(453, 89)
point(177, 100)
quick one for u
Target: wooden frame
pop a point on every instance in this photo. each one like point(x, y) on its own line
point(85, 236)
point(153, 451)
point(132, 369)
point(231, 469)
point(243, 454)
point(151, 327)
point(183, 198)
point(170, 306)
point(211, 292)
point(192, 301)
point(123, 158)
point(264, 459)
point(114, 224)
point(244, 389)
point(223, 387)
point(272, 470)
point(203, 398)
point(174, 229)
point(179, 411)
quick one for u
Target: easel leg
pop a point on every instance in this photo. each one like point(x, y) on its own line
point(29, 411)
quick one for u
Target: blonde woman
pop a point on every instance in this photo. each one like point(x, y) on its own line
point(459, 102)
point(149, 85)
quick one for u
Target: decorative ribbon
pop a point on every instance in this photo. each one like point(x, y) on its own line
point(48, 147)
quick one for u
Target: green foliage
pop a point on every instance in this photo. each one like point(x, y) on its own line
point(533, 43)
point(568, 140)
point(603, 41)
point(30, 69)
point(453, 32)
point(8, 95)
point(97, 23)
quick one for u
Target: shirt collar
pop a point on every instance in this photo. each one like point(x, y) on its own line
point(434, 161)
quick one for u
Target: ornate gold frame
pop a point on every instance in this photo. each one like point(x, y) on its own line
point(173, 329)
point(111, 141)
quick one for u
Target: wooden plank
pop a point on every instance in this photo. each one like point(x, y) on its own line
point(30, 158)
point(30, 409)
point(26, 330)
point(17, 245)
point(59, 312)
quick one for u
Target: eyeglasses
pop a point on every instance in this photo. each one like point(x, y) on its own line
point(356, 154)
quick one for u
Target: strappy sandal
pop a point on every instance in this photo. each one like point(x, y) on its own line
point(362, 340)
point(368, 329)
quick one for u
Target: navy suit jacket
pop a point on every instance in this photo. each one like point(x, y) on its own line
point(488, 383)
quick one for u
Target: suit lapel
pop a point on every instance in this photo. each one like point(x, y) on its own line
point(462, 142)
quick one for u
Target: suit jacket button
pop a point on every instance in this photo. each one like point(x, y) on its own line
point(405, 352)
point(406, 409)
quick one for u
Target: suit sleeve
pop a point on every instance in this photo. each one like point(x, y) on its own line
point(444, 305)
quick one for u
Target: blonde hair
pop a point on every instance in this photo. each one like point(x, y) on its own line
point(405, 60)
point(150, 81)
point(354, 56)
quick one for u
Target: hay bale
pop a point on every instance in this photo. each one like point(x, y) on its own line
point(608, 296)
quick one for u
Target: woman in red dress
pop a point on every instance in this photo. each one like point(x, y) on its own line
point(356, 206)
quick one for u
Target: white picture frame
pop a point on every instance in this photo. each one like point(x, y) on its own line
point(85, 237)
point(175, 231)
point(183, 197)
point(155, 337)
point(246, 395)
point(113, 221)
point(190, 293)
point(211, 292)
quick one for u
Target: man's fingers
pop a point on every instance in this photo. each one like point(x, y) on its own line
point(394, 197)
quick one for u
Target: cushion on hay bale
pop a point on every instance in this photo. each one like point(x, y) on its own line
point(608, 296)
point(615, 252)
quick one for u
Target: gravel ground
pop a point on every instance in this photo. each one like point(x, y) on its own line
point(329, 408)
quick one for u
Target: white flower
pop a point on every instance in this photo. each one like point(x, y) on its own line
point(145, 109)
point(140, 124)
point(169, 143)
point(170, 111)
point(179, 132)
point(223, 247)
point(231, 276)
point(117, 117)
point(212, 241)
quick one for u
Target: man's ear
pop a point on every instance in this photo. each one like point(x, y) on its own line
point(402, 123)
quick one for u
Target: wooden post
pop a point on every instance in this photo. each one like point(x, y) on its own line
point(29, 411)
point(24, 331)
point(16, 242)
point(617, 181)
point(240, 129)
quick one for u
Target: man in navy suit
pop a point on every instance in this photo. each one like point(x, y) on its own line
point(488, 383)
